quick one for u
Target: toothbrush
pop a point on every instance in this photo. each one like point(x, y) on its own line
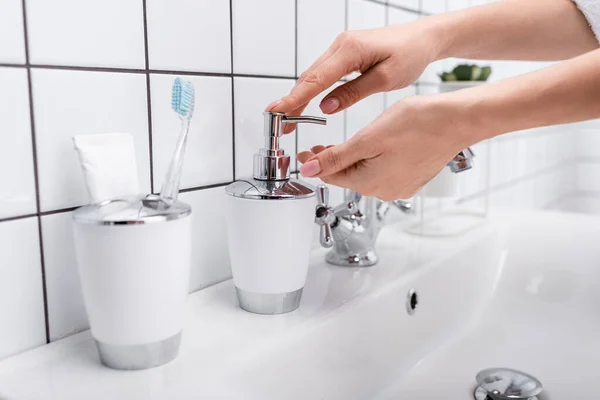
point(182, 102)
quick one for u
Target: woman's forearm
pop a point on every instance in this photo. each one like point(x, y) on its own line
point(563, 93)
point(536, 30)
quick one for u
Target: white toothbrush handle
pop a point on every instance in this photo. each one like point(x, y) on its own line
point(170, 188)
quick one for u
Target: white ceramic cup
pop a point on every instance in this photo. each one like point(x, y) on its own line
point(135, 280)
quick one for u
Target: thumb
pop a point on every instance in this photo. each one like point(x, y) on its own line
point(333, 159)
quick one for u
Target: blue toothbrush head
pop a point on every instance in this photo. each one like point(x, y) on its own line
point(182, 97)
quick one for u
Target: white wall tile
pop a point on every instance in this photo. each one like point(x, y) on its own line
point(69, 103)
point(107, 33)
point(397, 95)
point(318, 29)
point(190, 35)
point(364, 14)
point(22, 324)
point(455, 5)
point(433, 71)
point(12, 38)
point(210, 252)
point(397, 16)
point(508, 160)
point(428, 89)
point(412, 4)
point(433, 6)
point(506, 69)
point(363, 113)
point(210, 142)
point(588, 143)
point(252, 95)
point(17, 192)
point(569, 180)
point(588, 177)
point(542, 191)
point(496, 161)
point(263, 37)
point(66, 311)
point(538, 146)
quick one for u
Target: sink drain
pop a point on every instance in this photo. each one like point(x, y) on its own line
point(506, 384)
point(412, 302)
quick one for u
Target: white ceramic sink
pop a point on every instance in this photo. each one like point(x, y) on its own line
point(521, 291)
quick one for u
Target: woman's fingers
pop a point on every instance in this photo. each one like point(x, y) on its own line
point(342, 97)
point(289, 128)
point(317, 149)
point(314, 81)
point(337, 158)
point(305, 156)
point(328, 53)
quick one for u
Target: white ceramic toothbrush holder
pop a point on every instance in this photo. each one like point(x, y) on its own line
point(133, 255)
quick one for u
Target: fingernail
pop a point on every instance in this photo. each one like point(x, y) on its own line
point(311, 168)
point(273, 105)
point(330, 104)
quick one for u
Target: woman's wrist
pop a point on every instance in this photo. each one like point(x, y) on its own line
point(452, 117)
point(439, 37)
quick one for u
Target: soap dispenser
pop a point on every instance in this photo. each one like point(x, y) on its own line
point(270, 220)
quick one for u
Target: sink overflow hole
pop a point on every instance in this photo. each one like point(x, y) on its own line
point(412, 302)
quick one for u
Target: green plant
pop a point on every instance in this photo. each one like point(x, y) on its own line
point(465, 72)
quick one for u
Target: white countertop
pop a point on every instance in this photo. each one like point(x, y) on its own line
point(219, 338)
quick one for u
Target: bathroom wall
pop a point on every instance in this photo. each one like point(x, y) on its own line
point(69, 67)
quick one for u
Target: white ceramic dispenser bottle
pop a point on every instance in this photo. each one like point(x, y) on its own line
point(269, 224)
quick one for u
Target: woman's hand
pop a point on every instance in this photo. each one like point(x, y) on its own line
point(387, 58)
point(413, 140)
point(399, 152)
point(394, 57)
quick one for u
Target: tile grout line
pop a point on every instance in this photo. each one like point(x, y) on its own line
point(399, 7)
point(13, 65)
point(148, 95)
point(73, 208)
point(60, 210)
point(36, 173)
point(232, 91)
point(18, 217)
point(296, 74)
point(143, 71)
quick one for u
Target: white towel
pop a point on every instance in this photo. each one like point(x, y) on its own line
point(108, 164)
point(591, 11)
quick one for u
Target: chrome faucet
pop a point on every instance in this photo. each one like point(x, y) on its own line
point(351, 228)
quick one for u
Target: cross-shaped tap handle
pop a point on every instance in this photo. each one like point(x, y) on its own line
point(327, 216)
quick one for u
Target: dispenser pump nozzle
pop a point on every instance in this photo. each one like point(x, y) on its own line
point(271, 162)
